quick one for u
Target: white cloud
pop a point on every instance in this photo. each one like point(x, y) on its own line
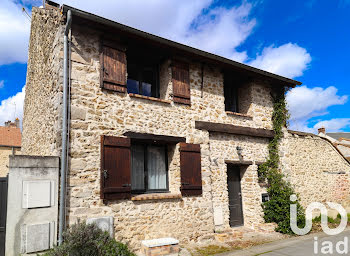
point(288, 60)
point(14, 33)
point(221, 31)
point(12, 107)
point(305, 103)
point(2, 84)
point(333, 125)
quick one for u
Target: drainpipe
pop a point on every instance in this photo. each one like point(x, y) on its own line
point(62, 212)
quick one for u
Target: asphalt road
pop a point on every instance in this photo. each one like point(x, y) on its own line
point(298, 246)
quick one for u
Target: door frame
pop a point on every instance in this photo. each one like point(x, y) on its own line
point(238, 169)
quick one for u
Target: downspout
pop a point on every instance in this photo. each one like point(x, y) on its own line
point(62, 211)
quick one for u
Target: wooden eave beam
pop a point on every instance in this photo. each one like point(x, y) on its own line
point(234, 129)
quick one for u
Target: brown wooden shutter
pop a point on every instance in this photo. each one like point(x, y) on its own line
point(190, 165)
point(115, 168)
point(181, 82)
point(113, 69)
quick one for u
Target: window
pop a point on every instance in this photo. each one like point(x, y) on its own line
point(149, 168)
point(143, 78)
point(231, 94)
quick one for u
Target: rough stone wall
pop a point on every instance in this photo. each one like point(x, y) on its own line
point(97, 112)
point(4, 159)
point(316, 169)
point(42, 112)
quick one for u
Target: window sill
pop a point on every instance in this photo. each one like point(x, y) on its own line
point(238, 114)
point(156, 196)
point(148, 98)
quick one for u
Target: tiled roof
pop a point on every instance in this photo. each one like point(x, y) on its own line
point(10, 136)
point(338, 135)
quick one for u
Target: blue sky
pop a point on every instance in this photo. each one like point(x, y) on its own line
point(305, 40)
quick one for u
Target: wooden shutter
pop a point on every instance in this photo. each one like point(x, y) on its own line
point(115, 168)
point(190, 165)
point(113, 69)
point(181, 82)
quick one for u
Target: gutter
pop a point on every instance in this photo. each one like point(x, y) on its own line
point(62, 210)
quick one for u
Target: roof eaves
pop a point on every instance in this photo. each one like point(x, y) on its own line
point(107, 22)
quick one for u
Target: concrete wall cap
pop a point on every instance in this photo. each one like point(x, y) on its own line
point(160, 242)
point(23, 161)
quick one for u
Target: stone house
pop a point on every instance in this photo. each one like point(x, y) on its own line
point(163, 137)
point(10, 144)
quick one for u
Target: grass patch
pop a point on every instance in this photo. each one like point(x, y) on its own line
point(210, 250)
point(332, 223)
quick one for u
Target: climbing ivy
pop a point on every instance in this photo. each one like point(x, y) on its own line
point(277, 209)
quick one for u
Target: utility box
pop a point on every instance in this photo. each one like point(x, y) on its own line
point(37, 237)
point(38, 193)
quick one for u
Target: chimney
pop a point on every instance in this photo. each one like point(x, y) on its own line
point(322, 130)
point(14, 124)
point(17, 122)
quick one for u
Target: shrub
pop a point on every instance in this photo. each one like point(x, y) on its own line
point(329, 219)
point(83, 239)
point(277, 209)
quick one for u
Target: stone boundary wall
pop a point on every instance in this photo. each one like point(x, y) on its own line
point(316, 169)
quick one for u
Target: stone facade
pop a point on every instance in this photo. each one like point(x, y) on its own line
point(42, 112)
point(95, 112)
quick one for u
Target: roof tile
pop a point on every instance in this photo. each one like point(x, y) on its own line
point(10, 136)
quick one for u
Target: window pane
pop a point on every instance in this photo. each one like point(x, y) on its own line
point(137, 165)
point(234, 107)
point(146, 89)
point(156, 167)
point(133, 86)
point(148, 82)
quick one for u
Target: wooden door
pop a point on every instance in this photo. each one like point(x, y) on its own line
point(235, 197)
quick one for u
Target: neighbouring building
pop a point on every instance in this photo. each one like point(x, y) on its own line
point(10, 144)
point(164, 138)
